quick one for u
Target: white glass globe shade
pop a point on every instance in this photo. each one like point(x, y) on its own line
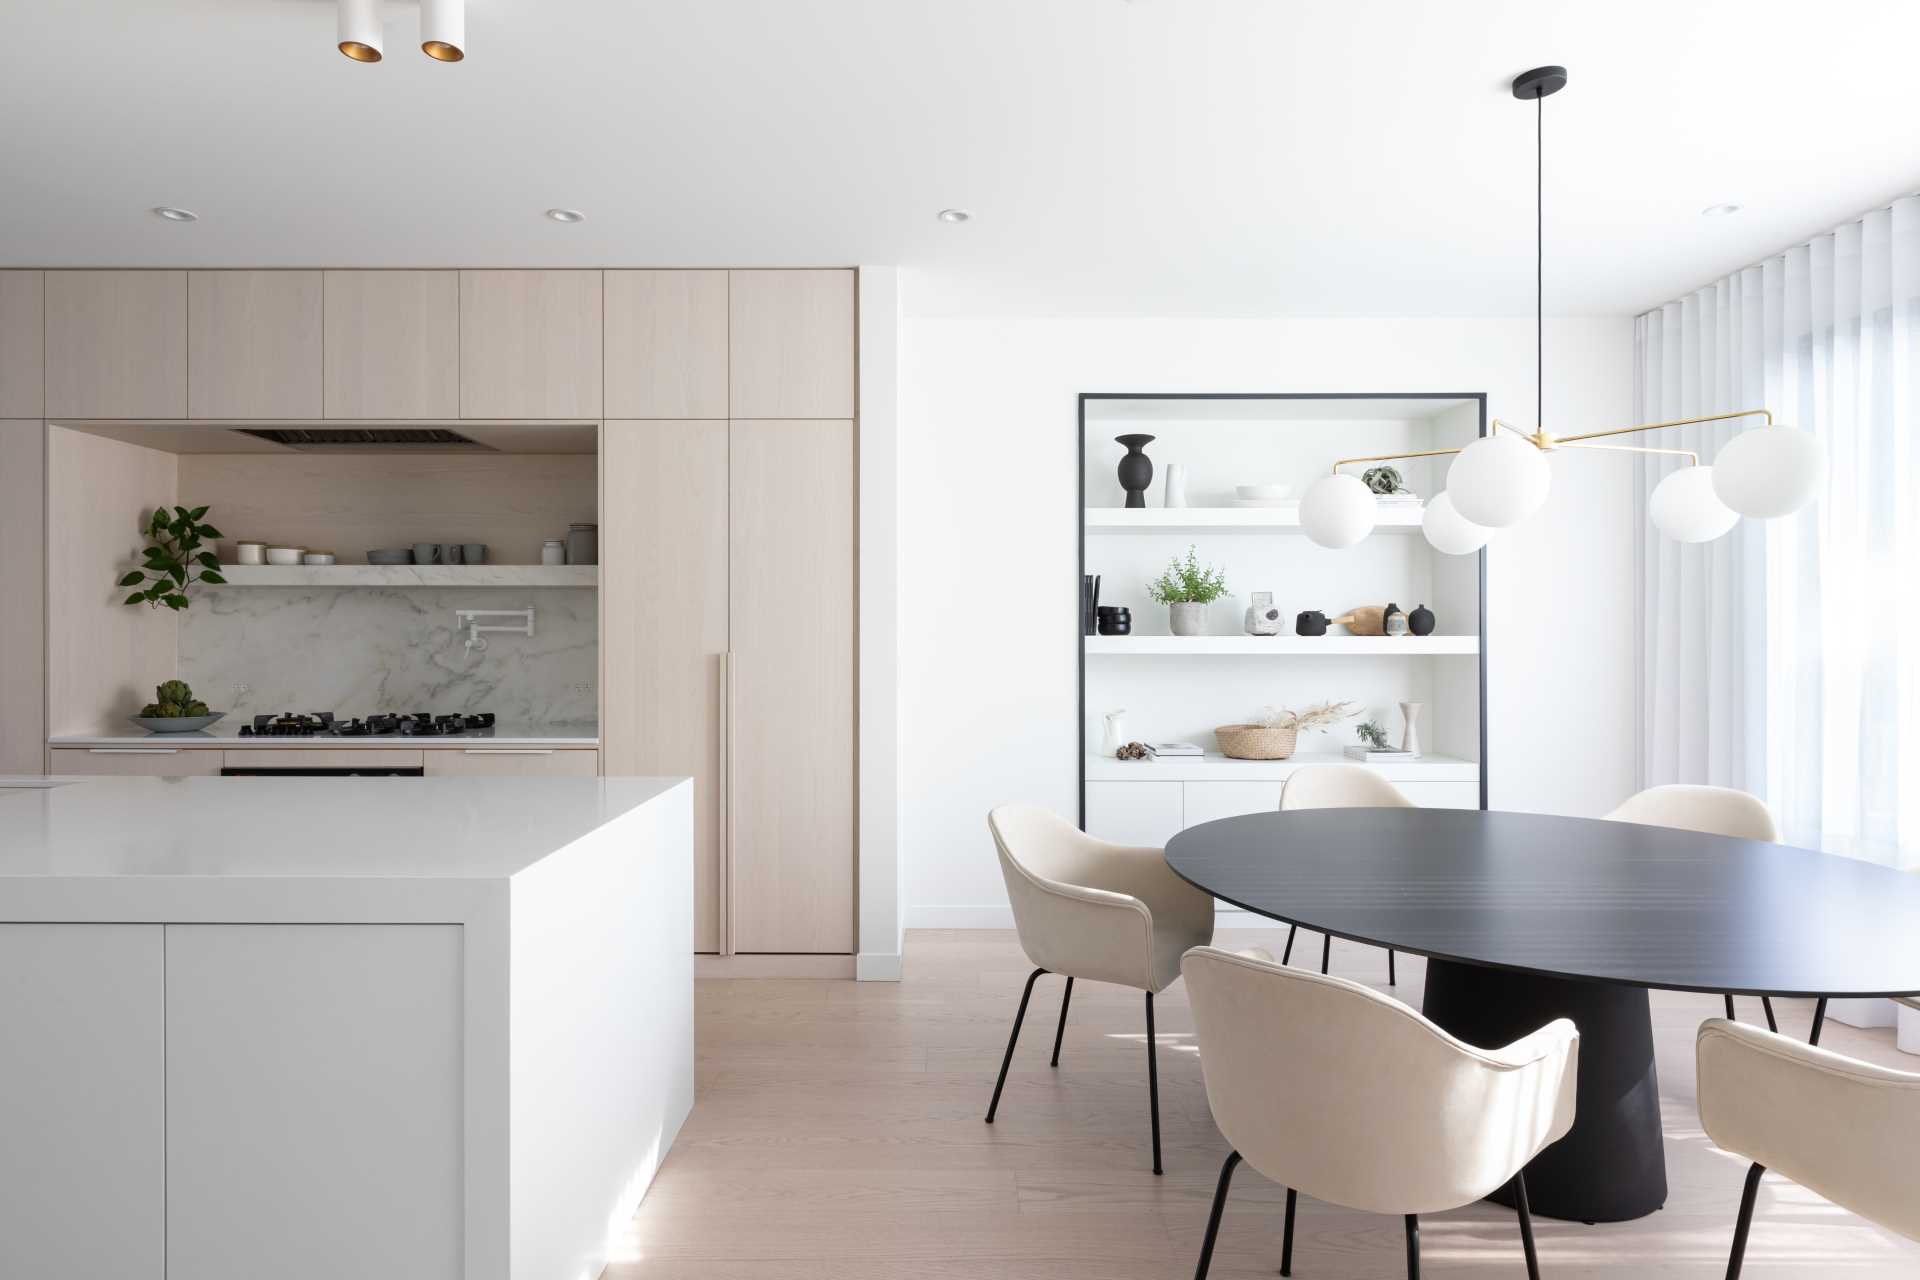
point(1337, 511)
point(1769, 471)
point(1498, 480)
point(1686, 509)
point(1449, 532)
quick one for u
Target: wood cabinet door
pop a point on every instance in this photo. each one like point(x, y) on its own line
point(530, 344)
point(83, 1159)
point(253, 344)
point(136, 762)
point(666, 344)
point(791, 723)
point(511, 762)
point(22, 344)
point(791, 344)
point(392, 344)
point(116, 344)
point(663, 618)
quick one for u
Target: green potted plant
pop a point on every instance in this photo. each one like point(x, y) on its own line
point(1187, 589)
point(176, 557)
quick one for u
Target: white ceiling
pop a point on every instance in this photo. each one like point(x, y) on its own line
point(1157, 157)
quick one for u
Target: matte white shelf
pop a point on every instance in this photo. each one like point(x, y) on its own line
point(410, 575)
point(1213, 767)
point(1283, 519)
point(1328, 646)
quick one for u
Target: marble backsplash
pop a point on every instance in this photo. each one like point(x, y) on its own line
point(357, 650)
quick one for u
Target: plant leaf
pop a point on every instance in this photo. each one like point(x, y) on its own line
point(208, 559)
point(133, 579)
point(197, 512)
point(211, 576)
point(176, 602)
point(135, 598)
point(178, 574)
point(208, 531)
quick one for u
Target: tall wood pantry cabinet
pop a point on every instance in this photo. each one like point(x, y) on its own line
point(727, 590)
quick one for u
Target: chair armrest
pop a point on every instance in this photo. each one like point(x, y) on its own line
point(1084, 932)
point(1143, 873)
point(1553, 1042)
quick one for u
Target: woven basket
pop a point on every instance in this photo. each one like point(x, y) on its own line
point(1256, 741)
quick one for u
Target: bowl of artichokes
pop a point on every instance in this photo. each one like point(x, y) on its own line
point(175, 710)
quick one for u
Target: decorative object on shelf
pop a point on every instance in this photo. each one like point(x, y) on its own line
point(317, 558)
point(473, 553)
point(1371, 734)
point(450, 552)
point(1136, 469)
point(285, 555)
point(1499, 480)
point(1393, 622)
point(583, 544)
point(1115, 620)
point(1114, 736)
point(553, 551)
point(1310, 622)
point(1262, 618)
point(175, 558)
point(1187, 589)
point(174, 709)
point(1261, 495)
point(1366, 620)
point(249, 553)
point(1383, 480)
point(1275, 735)
point(397, 555)
point(1377, 755)
point(426, 553)
point(1176, 495)
point(1410, 727)
point(1132, 751)
point(1420, 621)
point(1089, 602)
point(1175, 750)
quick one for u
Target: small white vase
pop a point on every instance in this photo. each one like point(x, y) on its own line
point(1187, 619)
point(1410, 734)
point(1115, 736)
point(1176, 485)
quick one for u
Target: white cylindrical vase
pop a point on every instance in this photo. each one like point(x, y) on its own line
point(1176, 495)
point(1410, 732)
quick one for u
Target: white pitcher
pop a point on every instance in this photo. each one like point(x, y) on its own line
point(1115, 736)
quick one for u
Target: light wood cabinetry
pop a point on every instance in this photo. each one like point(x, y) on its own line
point(530, 344)
point(666, 344)
point(392, 347)
point(663, 610)
point(136, 762)
point(323, 758)
point(23, 588)
point(253, 344)
point(83, 1107)
point(116, 344)
point(791, 344)
point(791, 736)
point(22, 344)
point(511, 762)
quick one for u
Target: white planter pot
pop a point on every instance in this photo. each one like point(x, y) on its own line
point(1187, 619)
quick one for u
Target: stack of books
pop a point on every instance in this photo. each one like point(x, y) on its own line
point(1175, 750)
point(1380, 755)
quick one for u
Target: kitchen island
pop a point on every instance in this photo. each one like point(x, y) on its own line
point(431, 1027)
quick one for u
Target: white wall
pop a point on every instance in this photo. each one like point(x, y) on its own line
point(988, 595)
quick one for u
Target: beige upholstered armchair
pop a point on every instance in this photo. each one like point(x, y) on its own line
point(1372, 1106)
point(1837, 1126)
point(1089, 909)
point(1340, 786)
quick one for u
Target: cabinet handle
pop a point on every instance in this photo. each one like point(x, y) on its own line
point(133, 751)
point(726, 803)
point(508, 751)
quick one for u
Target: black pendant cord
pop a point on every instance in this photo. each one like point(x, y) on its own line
point(1539, 263)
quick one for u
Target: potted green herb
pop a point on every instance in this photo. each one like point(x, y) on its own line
point(1187, 589)
point(175, 558)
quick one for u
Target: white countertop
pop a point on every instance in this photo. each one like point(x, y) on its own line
point(227, 734)
point(434, 829)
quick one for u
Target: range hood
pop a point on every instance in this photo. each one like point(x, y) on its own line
point(363, 439)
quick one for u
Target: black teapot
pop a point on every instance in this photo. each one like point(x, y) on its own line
point(1311, 622)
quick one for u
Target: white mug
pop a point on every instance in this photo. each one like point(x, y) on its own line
point(249, 553)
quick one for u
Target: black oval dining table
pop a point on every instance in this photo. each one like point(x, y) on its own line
point(1525, 918)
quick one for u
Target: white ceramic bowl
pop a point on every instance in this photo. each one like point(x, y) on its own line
point(249, 553)
point(1263, 492)
point(317, 557)
point(284, 555)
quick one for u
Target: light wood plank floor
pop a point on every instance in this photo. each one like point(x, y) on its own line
point(837, 1136)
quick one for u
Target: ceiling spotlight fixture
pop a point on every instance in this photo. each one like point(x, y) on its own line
point(360, 33)
point(443, 29)
point(1719, 210)
point(172, 214)
point(566, 215)
point(955, 215)
point(1500, 480)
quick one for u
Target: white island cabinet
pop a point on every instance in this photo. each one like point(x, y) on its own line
point(325, 1027)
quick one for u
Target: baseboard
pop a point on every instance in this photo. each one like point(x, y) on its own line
point(772, 966)
point(877, 966)
point(1001, 917)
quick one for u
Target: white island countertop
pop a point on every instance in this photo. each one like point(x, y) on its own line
point(226, 734)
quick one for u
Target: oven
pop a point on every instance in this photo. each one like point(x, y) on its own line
point(332, 771)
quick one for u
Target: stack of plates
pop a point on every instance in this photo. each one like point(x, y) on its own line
point(1263, 495)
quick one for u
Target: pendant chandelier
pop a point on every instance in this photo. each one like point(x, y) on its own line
point(1502, 478)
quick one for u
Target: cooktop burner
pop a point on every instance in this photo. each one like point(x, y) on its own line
point(408, 724)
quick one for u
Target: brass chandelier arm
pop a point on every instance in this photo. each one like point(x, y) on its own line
point(1677, 422)
point(1544, 442)
point(1394, 457)
point(1693, 459)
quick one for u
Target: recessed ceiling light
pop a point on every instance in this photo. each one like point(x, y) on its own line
point(443, 29)
point(360, 34)
point(1719, 210)
point(172, 214)
point(955, 215)
point(566, 215)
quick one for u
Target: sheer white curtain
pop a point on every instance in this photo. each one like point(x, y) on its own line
point(1784, 658)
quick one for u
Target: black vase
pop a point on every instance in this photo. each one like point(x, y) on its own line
point(1311, 622)
point(1116, 620)
point(1420, 621)
point(1136, 469)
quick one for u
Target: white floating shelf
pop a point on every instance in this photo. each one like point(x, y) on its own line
point(410, 575)
point(1218, 768)
point(1327, 646)
point(1283, 519)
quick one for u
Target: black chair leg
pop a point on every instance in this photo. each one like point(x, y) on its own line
point(1012, 1040)
point(1326, 950)
point(1526, 1224)
point(1213, 1218)
point(1286, 1236)
point(1393, 978)
point(1766, 1002)
point(1065, 1000)
point(1745, 1220)
point(1819, 1019)
point(1730, 1014)
point(1287, 955)
point(1153, 1082)
point(1413, 1246)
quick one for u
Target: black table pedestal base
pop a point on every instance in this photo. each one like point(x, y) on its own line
point(1611, 1166)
